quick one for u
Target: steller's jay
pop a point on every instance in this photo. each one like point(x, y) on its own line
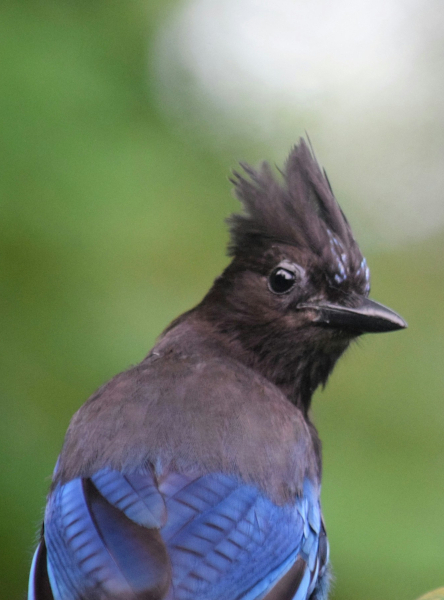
point(196, 474)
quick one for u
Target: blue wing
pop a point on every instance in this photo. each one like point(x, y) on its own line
point(130, 536)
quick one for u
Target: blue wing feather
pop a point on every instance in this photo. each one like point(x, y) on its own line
point(39, 587)
point(135, 494)
point(95, 550)
point(119, 533)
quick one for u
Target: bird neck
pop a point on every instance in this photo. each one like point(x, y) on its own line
point(293, 365)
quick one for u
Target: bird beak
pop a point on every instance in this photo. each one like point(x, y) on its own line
point(367, 317)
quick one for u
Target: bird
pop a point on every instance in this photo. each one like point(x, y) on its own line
point(196, 474)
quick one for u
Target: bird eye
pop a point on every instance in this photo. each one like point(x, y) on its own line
point(281, 280)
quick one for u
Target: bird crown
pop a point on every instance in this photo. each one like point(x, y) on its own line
point(300, 211)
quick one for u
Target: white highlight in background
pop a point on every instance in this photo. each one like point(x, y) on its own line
point(357, 74)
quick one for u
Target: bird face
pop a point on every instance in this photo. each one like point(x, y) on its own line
point(331, 295)
point(309, 298)
point(285, 308)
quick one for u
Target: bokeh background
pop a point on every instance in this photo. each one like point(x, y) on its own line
point(119, 123)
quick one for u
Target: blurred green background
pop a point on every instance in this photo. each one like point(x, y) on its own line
point(111, 220)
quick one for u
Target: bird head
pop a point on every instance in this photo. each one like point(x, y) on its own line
point(296, 291)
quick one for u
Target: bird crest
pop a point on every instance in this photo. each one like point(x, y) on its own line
point(299, 211)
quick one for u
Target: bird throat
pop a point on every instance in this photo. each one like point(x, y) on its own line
point(298, 373)
point(296, 366)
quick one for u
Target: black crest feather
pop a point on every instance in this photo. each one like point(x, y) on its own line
point(300, 211)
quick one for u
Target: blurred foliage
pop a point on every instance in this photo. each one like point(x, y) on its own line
point(111, 224)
